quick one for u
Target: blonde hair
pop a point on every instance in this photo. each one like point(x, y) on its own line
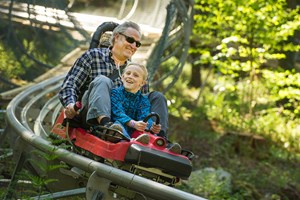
point(145, 76)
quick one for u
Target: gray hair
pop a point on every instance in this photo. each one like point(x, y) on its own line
point(122, 28)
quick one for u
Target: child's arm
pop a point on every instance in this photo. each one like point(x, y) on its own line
point(117, 109)
point(138, 125)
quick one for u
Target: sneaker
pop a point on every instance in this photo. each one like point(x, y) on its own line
point(117, 127)
point(175, 148)
point(114, 133)
point(100, 128)
point(144, 138)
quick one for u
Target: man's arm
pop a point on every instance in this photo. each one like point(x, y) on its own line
point(74, 80)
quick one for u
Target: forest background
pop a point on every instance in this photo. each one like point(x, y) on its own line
point(236, 104)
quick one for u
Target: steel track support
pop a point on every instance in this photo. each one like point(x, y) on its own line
point(97, 188)
point(58, 195)
point(14, 180)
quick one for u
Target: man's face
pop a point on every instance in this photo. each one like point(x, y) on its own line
point(123, 45)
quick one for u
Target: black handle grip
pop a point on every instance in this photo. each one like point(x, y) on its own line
point(152, 114)
point(157, 121)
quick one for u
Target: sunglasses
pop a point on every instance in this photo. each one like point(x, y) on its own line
point(131, 40)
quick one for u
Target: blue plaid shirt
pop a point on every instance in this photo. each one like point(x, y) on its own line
point(126, 106)
point(92, 63)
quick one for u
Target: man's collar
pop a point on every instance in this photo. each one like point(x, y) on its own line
point(110, 56)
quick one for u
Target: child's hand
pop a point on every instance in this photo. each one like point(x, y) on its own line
point(140, 125)
point(155, 128)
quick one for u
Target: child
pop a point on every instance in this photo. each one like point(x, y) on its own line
point(130, 106)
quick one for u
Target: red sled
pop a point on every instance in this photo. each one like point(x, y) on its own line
point(152, 160)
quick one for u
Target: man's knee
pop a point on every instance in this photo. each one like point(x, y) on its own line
point(157, 96)
point(102, 80)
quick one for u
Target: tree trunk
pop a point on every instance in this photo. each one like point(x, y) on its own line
point(195, 73)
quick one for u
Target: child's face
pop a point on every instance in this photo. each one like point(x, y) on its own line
point(133, 78)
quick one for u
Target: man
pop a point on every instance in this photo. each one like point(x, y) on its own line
point(95, 68)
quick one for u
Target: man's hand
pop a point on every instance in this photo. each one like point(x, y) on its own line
point(70, 111)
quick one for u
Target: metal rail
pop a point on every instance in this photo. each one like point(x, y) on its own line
point(117, 176)
point(38, 128)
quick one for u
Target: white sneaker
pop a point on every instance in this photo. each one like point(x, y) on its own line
point(175, 148)
point(144, 138)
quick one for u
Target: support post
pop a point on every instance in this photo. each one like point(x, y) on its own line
point(14, 180)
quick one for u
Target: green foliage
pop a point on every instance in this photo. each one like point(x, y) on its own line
point(9, 67)
point(47, 158)
point(238, 37)
point(22, 46)
point(223, 108)
point(247, 26)
point(42, 162)
point(228, 104)
point(215, 184)
point(284, 89)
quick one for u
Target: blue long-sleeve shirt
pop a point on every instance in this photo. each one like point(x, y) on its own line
point(127, 106)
